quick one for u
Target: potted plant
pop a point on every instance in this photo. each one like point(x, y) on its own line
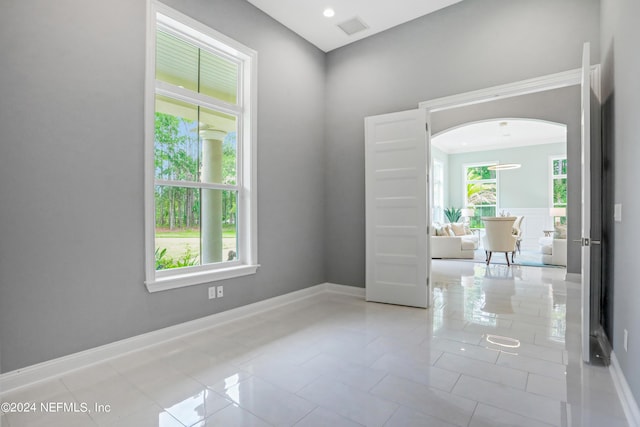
point(452, 214)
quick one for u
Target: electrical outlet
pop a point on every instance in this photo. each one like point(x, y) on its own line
point(212, 292)
point(617, 212)
point(626, 339)
point(220, 291)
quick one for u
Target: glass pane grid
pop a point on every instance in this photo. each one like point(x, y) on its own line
point(184, 237)
point(188, 66)
point(195, 154)
point(481, 193)
point(176, 61)
point(194, 144)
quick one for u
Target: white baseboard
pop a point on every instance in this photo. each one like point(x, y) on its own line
point(629, 404)
point(29, 375)
point(346, 290)
point(573, 277)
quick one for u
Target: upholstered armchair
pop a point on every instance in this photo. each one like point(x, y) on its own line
point(517, 231)
point(499, 237)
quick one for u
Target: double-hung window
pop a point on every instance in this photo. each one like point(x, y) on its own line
point(558, 182)
point(200, 184)
point(481, 191)
point(438, 191)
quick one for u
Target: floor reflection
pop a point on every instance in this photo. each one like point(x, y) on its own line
point(500, 346)
point(513, 299)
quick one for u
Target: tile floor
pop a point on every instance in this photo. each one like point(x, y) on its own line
point(500, 347)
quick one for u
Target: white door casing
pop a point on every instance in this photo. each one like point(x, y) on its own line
point(396, 196)
point(586, 198)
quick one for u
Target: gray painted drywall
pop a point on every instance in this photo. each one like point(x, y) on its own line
point(71, 181)
point(526, 187)
point(471, 45)
point(559, 106)
point(621, 88)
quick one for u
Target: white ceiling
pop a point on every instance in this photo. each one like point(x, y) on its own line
point(491, 135)
point(306, 19)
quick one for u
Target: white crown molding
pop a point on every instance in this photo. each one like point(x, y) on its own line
point(629, 404)
point(29, 375)
point(523, 87)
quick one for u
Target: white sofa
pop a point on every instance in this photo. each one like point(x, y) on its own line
point(554, 251)
point(445, 244)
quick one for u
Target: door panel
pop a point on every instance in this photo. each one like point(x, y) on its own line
point(586, 200)
point(396, 208)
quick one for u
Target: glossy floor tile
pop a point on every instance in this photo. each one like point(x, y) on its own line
point(499, 347)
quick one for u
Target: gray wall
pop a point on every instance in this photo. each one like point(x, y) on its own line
point(471, 45)
point(558, 105)
point(526, 187)
point(71, 130)
point(71, 181)
point(621, 109)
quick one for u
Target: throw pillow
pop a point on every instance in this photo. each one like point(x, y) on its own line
point(458, 229)
point(560, 232)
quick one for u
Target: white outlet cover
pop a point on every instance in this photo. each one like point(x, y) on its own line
point(212, 292)
point(220, 291)
point(617, 212)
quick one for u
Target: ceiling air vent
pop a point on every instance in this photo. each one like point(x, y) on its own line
point(352, 26)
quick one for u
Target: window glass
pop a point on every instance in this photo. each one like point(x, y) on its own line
point(186, 238)
point(559, 192)
point(176, 61)
point(194, 143)
point(481, 193)
point(218, 77)
point(476, 173)
point(438, 192)
point(176, 145)
point(177, 237)
point(190, 67)
point(219, 147)
point(559, 183)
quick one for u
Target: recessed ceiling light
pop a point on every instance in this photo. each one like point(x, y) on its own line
point(504, 129)
point(328, 12)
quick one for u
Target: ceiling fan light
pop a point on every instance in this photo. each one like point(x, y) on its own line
point(504, 166)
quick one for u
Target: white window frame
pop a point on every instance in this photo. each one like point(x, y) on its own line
point(552, 176)
point(465, 166)
point(438, 191)
point(160, 15)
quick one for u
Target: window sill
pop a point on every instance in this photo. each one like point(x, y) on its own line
point(190, 279)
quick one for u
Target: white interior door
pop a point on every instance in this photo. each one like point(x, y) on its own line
point(396, 164)
point(586, 199)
